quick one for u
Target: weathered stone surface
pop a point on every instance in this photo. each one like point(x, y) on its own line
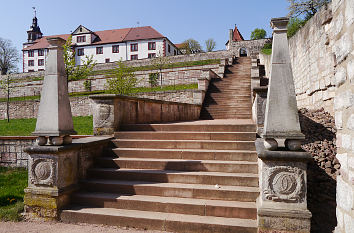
point(342, 47)
point(345, 195)
point(54, 114)
point(281, 101)
point(53, 174)
point(350, 122)
point(343, 100)
point(340, 76)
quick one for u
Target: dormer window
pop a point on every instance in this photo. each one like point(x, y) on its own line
point(81, 39)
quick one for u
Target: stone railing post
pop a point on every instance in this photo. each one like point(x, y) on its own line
point(282, 204)
point(52, 163)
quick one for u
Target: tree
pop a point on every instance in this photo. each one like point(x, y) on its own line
point(294, 25)
point(9, 56)
point(210, 45)
point(6, 84)
point(74, 72)
point(305, 8)
point(122, 80)
point(258, 33)
point(191, 46)
point(159, 63)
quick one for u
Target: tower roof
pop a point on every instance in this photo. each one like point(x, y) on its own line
point(237, 35)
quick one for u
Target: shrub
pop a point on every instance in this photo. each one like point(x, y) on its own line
point(122, 80)
point(153, 79)
point(294, 25)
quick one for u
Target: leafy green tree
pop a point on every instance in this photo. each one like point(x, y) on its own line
point(258, 33)
point(122, 80)
point(6, 85)
point(210, 44)
point(294, 25)
point(305, 8)
point(9, 56)
point(191, 46)
point(160, 63)
point(74, 72)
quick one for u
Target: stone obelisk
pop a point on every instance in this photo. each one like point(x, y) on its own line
point(281, 117)
point(54, 121)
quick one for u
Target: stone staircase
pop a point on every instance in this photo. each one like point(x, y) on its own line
point(230, 97)
point(182, 177)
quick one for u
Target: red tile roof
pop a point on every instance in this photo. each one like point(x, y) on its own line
point(237, 35)
point(42, 43)
point(109, 36)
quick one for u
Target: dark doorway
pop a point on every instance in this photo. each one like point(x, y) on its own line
point(243, 52)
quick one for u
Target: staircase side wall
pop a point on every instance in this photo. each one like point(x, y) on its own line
point(322, 55)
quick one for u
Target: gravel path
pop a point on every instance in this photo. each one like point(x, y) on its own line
point(53, 227)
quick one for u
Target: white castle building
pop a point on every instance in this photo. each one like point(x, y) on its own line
point(105, 46)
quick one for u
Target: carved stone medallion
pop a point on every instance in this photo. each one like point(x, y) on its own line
point(285, 184)
point(42, 172)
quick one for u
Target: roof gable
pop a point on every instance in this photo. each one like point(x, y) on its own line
point(237, 35)
point(81, 30)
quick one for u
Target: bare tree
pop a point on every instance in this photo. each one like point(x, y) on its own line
point(6, 85)
point(305, 8)
point(210, 44)
point(9, 56)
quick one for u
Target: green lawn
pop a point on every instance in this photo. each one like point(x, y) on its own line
point(12, 183)
point(24, 127)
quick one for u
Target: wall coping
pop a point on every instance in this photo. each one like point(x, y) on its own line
point(34, 137)
point(123, 97)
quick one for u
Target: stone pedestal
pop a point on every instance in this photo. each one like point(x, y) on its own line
point(282, 204)
point(52, 177)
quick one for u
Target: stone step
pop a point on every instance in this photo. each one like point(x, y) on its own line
point(187, 135)
point(185, 144)
point(172, 176)
point(201, 207)
point(179, 164)
point(187, 154)
point(158, 220)
point(191, 127)
point(199, 191)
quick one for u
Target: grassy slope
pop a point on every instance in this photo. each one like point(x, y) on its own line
point(24, 127)
point(12, 183)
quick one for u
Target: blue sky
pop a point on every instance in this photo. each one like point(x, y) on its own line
point(177, 20)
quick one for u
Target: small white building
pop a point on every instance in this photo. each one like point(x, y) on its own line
point(105, 46)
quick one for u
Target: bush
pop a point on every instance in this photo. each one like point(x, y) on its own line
point(122, 80)
point(294, 25)
point(267, 48)
point(153, 79)
point(87, 85)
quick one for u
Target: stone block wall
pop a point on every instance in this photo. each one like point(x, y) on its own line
point(252, 46)
point(343, 50)
point(183, 75)
point(80, 106)
point(12, 151)
point(315, 51)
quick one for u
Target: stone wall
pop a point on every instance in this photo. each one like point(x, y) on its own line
point(184, 96)
point(81, 106)
point(110, 112)
point(343, 50)
point(175, 76)
point(252, 46)
point(12, 152)
point(312, 52)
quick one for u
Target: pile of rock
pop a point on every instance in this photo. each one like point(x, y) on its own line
point(319, 129)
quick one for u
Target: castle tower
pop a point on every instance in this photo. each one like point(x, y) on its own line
point(35, 32)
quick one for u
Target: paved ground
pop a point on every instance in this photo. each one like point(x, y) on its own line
point(53, 227)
